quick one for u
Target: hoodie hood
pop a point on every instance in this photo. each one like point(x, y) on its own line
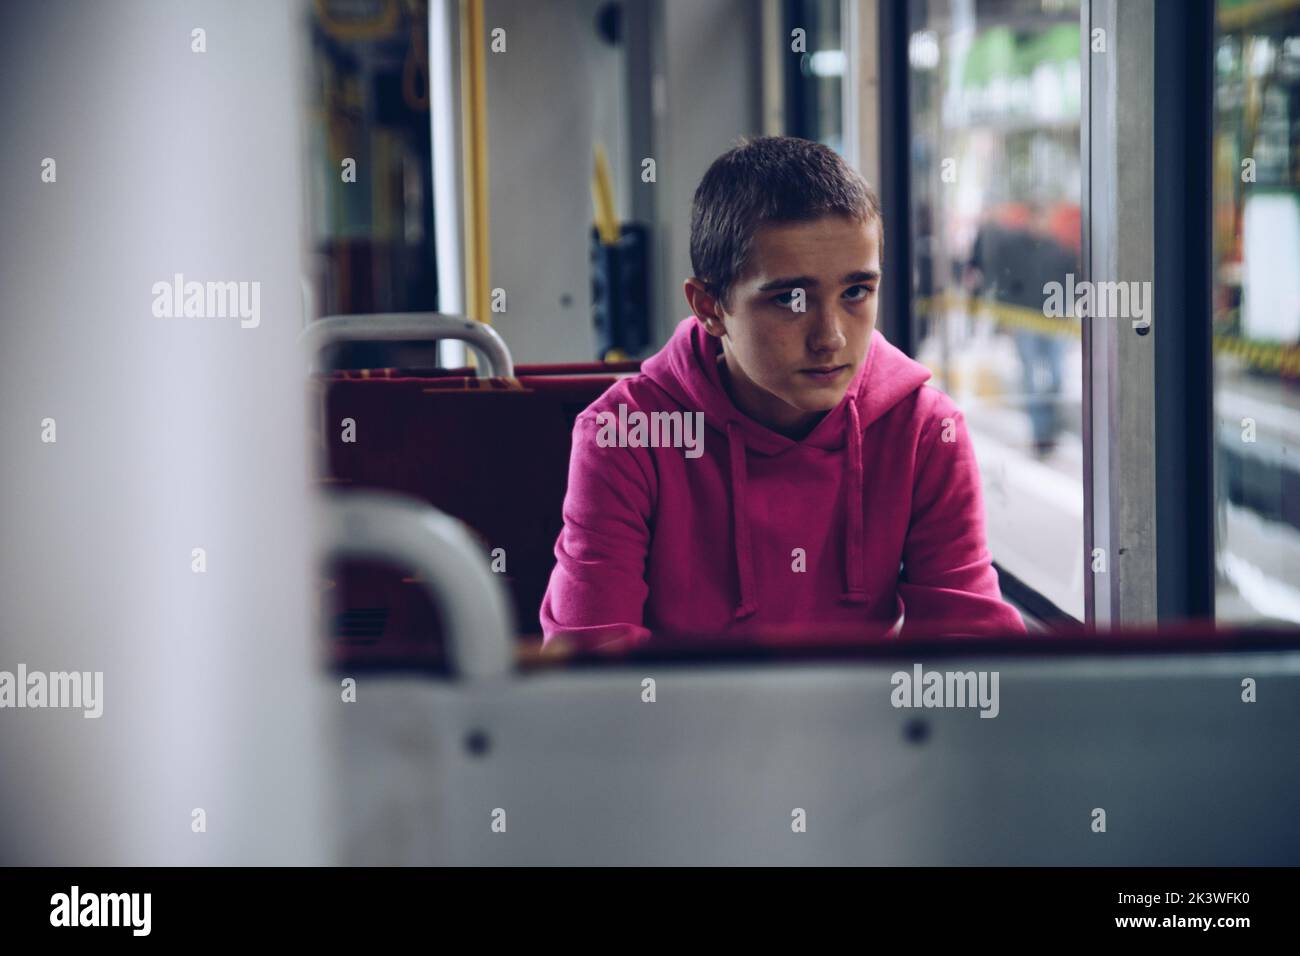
point(686, 368)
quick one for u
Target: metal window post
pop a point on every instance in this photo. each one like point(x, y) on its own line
point(895, 176)
point(1147, 446)
point(1118, 46)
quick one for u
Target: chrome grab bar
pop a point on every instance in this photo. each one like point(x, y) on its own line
point(411, 327)
point(448, 562)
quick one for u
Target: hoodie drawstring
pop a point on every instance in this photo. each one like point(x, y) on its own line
point(744, 561)
point(855, 590)
point(855, 587)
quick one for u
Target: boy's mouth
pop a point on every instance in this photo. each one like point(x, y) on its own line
point(824, 373)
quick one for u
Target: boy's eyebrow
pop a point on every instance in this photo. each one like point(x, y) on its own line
point(798, 282)
point(805, 282)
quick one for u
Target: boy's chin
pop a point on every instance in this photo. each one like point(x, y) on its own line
point(822, 399)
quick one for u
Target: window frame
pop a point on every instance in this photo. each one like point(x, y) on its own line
point(1145, 141)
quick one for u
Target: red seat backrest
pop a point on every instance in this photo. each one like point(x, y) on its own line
point(492, 452)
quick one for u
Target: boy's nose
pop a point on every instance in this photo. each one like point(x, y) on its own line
point(828, 333)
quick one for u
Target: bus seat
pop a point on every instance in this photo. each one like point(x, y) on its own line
point(493, 452)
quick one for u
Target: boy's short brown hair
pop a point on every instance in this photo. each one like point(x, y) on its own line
point(768, 179)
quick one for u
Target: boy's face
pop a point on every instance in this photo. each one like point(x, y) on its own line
point(787, 367)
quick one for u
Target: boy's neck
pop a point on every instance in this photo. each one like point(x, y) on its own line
point(762, 407)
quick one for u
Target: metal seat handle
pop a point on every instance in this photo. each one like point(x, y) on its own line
point(495, 360)
point(446, 560)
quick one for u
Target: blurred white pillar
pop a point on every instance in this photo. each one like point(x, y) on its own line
point(172, 434)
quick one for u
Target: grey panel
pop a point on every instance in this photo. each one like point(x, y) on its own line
point(710, 773)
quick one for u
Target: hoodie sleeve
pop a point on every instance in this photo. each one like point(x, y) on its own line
point(597, 592)
point(948, 583)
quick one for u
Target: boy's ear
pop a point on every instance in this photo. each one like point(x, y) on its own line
point(705, 306)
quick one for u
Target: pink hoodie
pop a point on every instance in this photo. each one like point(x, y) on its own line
point(761, 534)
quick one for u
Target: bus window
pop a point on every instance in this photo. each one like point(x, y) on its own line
point(370, 191)
point(814, 81)
point(995, 210)
point(1257, 312)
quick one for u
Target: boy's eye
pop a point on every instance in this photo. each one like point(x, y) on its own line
point(786, 299)
point(857, 293)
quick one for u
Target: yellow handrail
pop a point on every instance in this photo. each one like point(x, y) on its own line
point(474, 129)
